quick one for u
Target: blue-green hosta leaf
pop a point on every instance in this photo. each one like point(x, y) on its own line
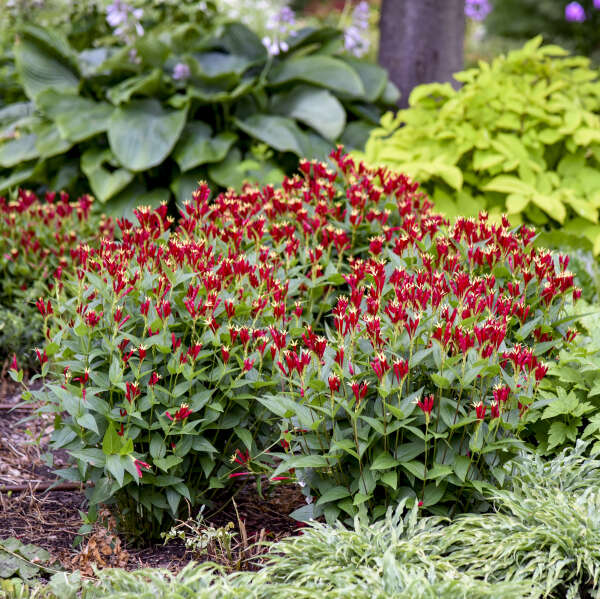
point(374, 78)
point(77, 118)
point(214, 65)
point(324, 71)
point(315, 107)
point(16, 178)
point(104, 182)
point(197, 146)
point(140, 85)
point(17, 150)
point(49, 141)
point(143, 133)
point(276, 131)
point(40, 70)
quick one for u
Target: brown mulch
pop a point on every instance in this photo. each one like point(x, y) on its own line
point(51, 519)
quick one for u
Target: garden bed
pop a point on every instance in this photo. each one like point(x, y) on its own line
point(51, 518)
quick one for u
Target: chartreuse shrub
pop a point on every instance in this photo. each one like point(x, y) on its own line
point(541, 540)
point(185, 101)
point(36, 243)
point(521, 136)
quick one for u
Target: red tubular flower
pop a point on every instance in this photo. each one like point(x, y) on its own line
point(248, 364)
point(480, 410)
point(380, 366)
point(540, 372)
point(400, 369)
point(13, 364)
point(144, 307)
point(142, 352)
point(241, 457)
point(376, 245)
point(495, 410)
point(182, 413)
point(236, 474)
point(132, 391)
point(339, 357)
point(501, 394)
point(175, 343)
point(42, 358)
point(426, 405)
point(154, 378)
point(359, 390)
point(139, 465)
point(334, 383)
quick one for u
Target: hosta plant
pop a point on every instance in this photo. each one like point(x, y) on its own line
point(521, 136)
point(179, 101)
point(37, 238)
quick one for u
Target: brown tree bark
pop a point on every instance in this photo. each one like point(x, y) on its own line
point(421, 41)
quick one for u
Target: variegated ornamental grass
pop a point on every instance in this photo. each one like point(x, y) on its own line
point(334, 331)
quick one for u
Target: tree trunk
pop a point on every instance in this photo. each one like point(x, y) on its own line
point(421, 42)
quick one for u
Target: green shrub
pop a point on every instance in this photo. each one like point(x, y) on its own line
point(522, 136)
point(36, 241)
point(187, 100)
point(234, 334)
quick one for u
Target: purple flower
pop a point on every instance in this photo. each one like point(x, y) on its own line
point(355, 40)
point(597, 4)
point(575, 13)
point(181, 71)
point(281, 24)
point(477, 10)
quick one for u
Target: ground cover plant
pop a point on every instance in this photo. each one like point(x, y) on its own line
point(521, 136)
point(166, 102)
point(540, 540)
point(37, 238)
point(234, 336)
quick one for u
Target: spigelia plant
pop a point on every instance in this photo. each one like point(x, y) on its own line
point(521, 136)
point(160, 357)
point(415, 381)
point(37, 241)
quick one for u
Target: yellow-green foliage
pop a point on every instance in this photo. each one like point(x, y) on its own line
point(521, 136)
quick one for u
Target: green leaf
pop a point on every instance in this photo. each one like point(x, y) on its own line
point(373, 77)
point(390, 478)
point(324, 71)
point(18, 150)
point(111, 443)
point(559, 432)
point(115, 465)
point(105, 183)
point(143, 133)
point(39, 69)
point(509, 184)
point(16, 177)
point(197, 146)
point(88, 421)
point(276, 131)
point(415, 468)
point(333, 495)
point(77, 118)
point(384, 461)
point(317, 108)
point(461, 465)
point(141, 85)
point(165, 464)
point(245, 436)
point(49, 141)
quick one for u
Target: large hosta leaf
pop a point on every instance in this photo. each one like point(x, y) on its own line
point(123, 204)
point(77, 118)
point(197, 146)
point(276, 131)
point(39, 69)
point(373, 77)
point(15, 178)
point(213, 65)
point(142, 133)
point(18, 150)
point(140, 85)
point(316, 107)
point(105, 183)
point(49, 141)
point(324, 71)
